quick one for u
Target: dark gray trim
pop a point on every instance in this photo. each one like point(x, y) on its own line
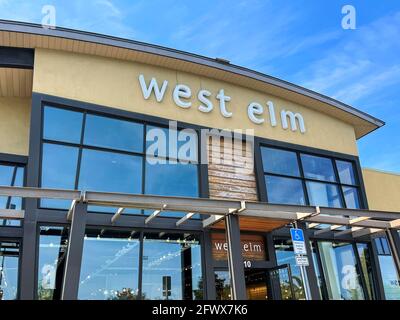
point(208, 267)
point(73, 260)
point(235, 259)
point(13, 158)
point(21, 58)
point(11, 232)
point(37, 29)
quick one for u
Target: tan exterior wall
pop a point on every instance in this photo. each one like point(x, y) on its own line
point(115, 83)
point(14, 125)
point(383, 190)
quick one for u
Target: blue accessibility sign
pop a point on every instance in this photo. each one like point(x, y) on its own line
point(297, 234)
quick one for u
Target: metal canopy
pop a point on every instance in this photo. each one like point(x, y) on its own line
point(358, 222)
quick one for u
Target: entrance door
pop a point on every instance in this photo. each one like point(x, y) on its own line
point(257, 284)
point(281, 282)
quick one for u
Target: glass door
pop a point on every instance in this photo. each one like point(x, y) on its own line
point(9, 267)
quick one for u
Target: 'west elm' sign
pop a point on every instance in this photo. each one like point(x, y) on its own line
point(182, 94)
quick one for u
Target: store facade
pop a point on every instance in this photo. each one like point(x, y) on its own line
point(130, 171)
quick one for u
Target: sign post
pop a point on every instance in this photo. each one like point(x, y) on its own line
point(300, 251)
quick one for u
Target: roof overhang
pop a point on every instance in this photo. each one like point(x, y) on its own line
point(28, 35)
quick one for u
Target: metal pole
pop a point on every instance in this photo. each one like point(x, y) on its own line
point(235, 259)
point(304, 278)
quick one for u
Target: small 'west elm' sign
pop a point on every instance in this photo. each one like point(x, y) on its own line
point(252, 246)
point(182, 94)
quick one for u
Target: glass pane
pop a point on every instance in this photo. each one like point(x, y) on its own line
point(280, 162)
point(62, 125)
point(346, 172)
point(59, 165)
point(340, 271)
point(52, 250)
point(351, 197)
point(114, 134)
point(285, 255)
point(172, 267)
point(160, 143)
point(172, 180)
point(390, 278)
point(110, 266)
point(324, 195)
point(9, 266)
point(11, 176)
point(110, 172)
point(365, 258)
point(318, 168)
point(284, 190)
point(222, 285)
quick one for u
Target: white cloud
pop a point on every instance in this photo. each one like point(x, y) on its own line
point(362, 64)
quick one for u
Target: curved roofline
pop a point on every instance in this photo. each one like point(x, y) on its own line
point(33, 28)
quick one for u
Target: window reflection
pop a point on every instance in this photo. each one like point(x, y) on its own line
point(110, 266)
point(280, 162)
point(13, 176)
point(285, 190)
point(62, 125)
point(365, 259)
point(9, 266)
point(318, 168)
point(285, 255)
point(52, 251)
point(346, 172)
point(222, 285)
point(387, 268)
point(113, 133)
point(59, 164)
point(323, 194)
point(173, 257)
point(342, 276)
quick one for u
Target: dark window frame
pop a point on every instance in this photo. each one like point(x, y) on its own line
point(82, 146)
point(299, 150)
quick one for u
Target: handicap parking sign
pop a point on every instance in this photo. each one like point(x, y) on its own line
point(297, 234)
point(299, 246)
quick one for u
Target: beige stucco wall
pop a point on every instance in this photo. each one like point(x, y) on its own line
point(115, 83)
point(383, 190)
point(14, 125)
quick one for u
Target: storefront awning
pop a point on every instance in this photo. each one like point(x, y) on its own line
point(255, 216)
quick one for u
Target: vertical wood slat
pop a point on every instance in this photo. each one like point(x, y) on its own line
point(231, 180)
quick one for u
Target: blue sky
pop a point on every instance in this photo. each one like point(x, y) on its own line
point(301, 41)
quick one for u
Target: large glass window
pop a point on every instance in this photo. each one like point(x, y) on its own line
point(98, 153)
point(341, 272)
point(13, 176)
point(52, 252)
point(9, 266)
point(171, 267)
point(110, 266)
point(387, 268)
point(297, 178)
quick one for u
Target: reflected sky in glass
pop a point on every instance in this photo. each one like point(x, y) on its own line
point(318, 168)
point(280, 162)
point(284, 190)
point(62, 125)
point(113, 133)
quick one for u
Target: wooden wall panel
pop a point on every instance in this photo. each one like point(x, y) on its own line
point(231, 170)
